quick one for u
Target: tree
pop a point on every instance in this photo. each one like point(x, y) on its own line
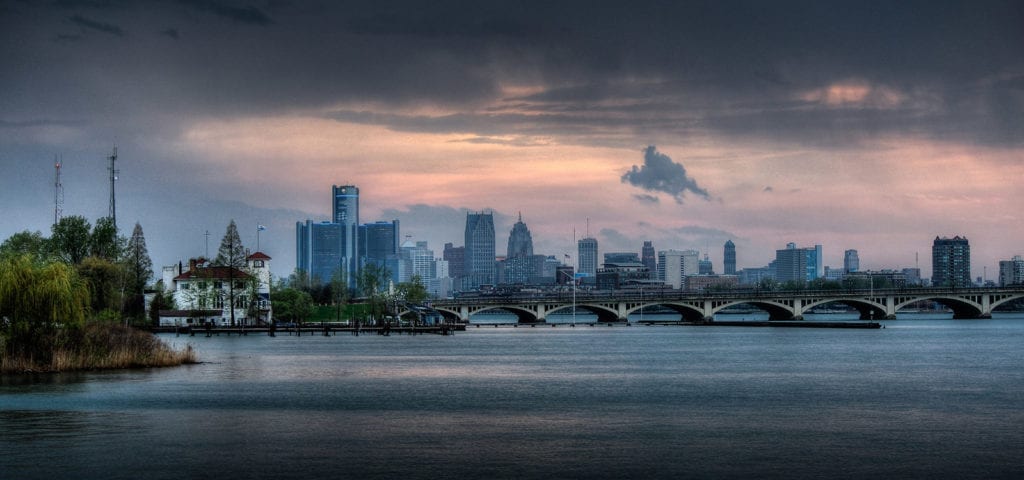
point(104, 279)
point(370, 281)
point(162, 300)
point(292, 305)
point(139, 269)
point(104, 242)
point(231, 254)
point(339, 291)
point(69, 239)
point(36, 301)
point(25, 243)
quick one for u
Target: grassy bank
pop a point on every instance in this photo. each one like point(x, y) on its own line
point(95, 346)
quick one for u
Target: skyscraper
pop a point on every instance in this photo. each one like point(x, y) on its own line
point(951, 262)
point(674, 266)
point(378, 241)
point(456, 258)
point(1011, 272)
point(318, 249)
point(798, 264)
point(520, 264)
point(479, 261)
point(345, 212)
point(520, 242)
point(729, 258)
point(851, 262)
point(649, 258)
point(587, 257)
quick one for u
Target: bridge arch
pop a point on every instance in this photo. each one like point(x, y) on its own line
point(449, 314)
point(604, 313)
point(1008, 298)
point(868, 309)
point(689, 313)
point(523, 315)
point(962, 306)
point(775, 310)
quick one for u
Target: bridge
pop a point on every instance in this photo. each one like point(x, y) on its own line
point(701, 307)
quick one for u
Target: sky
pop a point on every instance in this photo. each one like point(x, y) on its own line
point(867, 125)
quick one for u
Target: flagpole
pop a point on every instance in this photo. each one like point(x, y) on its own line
point(258, 236)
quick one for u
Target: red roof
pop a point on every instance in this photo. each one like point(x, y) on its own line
point(259, 256)
point(213, 272)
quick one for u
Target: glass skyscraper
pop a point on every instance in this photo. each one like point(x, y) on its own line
point(345, 212)
point(480, 253)
point(587, 257)
point(318, 249)
point(729, 258)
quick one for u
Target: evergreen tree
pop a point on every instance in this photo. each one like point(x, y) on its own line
point(232, 255)
point(139, 269)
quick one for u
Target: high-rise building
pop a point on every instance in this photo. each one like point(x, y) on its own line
point(587, 257)
point(520, 242)
point(674, 266)
point(378, 241)
point(705, 267)
point(480, 258)
point(798, 264)
point(851, 262)
point(729, 258)
point(345, 212)
point(1011, 272)
point(951, 262)
point(417, 260)
point(456, 258)
point(621, 257)
point(649, 258)
point(318, 249)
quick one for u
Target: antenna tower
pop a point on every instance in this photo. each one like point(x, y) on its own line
point(58, 190)
point(113, 178)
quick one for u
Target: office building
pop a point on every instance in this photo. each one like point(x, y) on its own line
point(345, 212)
point(1011, 272)
point(675, 265)
point(705, 267)
point(649, 258)
point(520, 265)
point(951, 262)
point(587, 266)
point(800, 265)
point(319, 249)
point(729, 258)
point(378, 241)
point(456, 258)
point(480, 254)
point(851, 262)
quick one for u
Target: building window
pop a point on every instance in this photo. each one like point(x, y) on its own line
point(257, 263)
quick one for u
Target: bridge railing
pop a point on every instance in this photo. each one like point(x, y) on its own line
point(587, 296)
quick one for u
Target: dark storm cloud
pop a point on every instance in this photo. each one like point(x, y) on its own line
point(660, 174)
point(170, 32)
point(596, 72)
point(96, 25)
point(644, 198)
point(248, 14)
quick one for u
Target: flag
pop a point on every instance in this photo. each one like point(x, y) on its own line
point(260, 228)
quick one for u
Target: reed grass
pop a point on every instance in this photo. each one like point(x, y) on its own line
point(97, 346)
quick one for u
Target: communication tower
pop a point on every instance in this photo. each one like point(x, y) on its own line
point(58, 190)
point(113, 178)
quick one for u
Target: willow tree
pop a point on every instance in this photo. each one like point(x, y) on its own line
point(232, 255)
point(36, 301)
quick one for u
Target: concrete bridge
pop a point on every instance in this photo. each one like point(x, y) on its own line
point(701, 307)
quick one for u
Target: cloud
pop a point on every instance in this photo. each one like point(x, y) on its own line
point(96, 25)
point(249, 15)
point(660, 174)
point(644, 198)
point(170, 32)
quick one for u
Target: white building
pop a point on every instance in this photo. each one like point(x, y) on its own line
point(675, 265)
point(202, 293)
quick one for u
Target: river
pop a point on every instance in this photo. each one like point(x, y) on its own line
point(921, 398)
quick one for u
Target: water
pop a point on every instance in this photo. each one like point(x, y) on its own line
point(919, 399)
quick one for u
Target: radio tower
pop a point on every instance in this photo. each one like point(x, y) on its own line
point(113, 178)
point(58, 191)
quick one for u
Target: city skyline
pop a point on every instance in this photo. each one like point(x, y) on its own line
point(871, 127)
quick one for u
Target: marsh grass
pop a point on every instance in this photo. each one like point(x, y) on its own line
point(95, 346)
